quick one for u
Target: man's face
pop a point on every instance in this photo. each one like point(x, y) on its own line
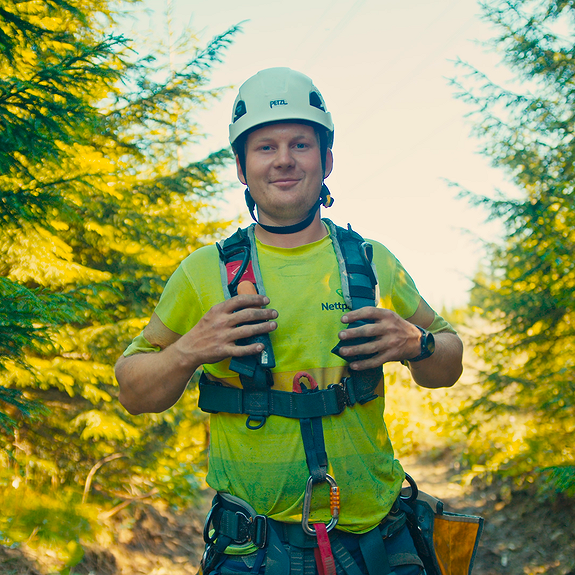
point(284, 171)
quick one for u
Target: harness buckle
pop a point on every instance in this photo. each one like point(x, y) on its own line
point(333, 505)
point(254, 529)
point(243, 528)
point(341, 394)
point(259, 531)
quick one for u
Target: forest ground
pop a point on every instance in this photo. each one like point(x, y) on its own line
point(521, 536)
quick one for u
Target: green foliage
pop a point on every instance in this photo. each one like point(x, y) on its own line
point(527, 408)
point(99, 202)
point(419, 419)
point(562, 479)
point(50, 524)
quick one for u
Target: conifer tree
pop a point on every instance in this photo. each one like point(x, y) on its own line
point(97, 211)
point(47, 72)
point(528, 292)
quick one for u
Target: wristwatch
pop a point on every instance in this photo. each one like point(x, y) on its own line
point(427, 345)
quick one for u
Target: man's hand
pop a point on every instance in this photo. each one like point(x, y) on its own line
point(153, 382)
point(397, 339)
point(214, 337)
point(392, 337)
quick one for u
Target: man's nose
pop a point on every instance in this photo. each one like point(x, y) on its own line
point(284, 157)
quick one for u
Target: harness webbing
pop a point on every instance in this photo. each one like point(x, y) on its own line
point(215, 398)
point(360, 289)
point(239, 262)
point(288, 547)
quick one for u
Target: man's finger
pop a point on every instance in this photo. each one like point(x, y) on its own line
point(375, 361)
point(244, 350)
point(245, 331)
point(366, 348)
point(249, 315)
point(368, 312)
point(245, 301)
point(367, 330)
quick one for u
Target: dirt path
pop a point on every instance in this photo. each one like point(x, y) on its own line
point(521, 536)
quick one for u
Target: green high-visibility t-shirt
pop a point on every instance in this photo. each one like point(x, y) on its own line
point(267, 467)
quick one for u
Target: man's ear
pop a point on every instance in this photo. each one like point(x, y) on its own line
point(241, 176)
point(328, 163)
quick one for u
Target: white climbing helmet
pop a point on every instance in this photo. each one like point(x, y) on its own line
point(278, 95)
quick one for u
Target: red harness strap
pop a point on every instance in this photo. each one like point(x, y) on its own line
point(323, 555)
point(233, 267)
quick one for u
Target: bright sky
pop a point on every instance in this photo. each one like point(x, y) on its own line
point(382, 67)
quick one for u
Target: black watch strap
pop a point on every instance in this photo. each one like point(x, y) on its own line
point(427, 345)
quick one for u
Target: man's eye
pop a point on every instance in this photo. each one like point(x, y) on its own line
point(301, 146)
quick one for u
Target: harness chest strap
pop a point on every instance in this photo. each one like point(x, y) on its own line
point(215, 398)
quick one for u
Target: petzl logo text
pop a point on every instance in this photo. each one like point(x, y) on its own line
point(278, 103)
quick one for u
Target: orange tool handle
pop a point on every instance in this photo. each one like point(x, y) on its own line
point(246, 288)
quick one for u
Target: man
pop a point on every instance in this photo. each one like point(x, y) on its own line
point(269, 515)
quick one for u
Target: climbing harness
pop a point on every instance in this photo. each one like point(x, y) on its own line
point(288, 550)
point(256, 398)
point(292, 549)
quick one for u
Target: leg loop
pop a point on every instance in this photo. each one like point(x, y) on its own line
point(344, 558)
point(374, 553)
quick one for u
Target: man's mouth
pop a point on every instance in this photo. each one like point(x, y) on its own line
point(285, 182)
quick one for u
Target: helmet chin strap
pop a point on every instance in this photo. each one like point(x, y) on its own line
point(325, 200)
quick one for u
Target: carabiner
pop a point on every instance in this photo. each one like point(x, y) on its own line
point(333, 505)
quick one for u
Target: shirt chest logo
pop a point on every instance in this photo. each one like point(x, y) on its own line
point(338, 305)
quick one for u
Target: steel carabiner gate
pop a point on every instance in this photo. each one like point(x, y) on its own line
point(333, 505)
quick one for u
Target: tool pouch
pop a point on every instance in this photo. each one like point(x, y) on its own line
point(446, 542)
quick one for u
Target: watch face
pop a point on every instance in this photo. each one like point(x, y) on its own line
point(427, 345)
point(429, 342)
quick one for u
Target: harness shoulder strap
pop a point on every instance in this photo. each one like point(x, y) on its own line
point(239, 262)
point(356, 269)
point(360, 289)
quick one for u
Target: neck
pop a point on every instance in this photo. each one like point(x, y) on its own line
point(313, 233)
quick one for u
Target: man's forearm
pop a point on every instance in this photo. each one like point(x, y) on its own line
point(444, 367)
point(152, 382)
